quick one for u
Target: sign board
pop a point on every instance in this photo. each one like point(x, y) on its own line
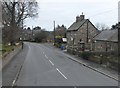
point(64, 39)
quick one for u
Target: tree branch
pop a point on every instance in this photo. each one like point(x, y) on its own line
point(8, 7)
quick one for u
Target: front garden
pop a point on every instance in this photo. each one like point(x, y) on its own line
point(106, 59)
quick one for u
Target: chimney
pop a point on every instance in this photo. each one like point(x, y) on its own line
point(77, 18)
point(82, 17)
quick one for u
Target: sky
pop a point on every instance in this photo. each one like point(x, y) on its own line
point(65, 12)
point(119, 12)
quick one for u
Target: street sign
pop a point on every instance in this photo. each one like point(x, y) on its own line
point(64, 39)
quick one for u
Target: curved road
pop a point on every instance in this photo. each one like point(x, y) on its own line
point(46, 66)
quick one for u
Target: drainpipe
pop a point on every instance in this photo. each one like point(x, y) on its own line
point(87, 32)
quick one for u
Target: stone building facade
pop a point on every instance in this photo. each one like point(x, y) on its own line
point(82, 31)
point(107, 41)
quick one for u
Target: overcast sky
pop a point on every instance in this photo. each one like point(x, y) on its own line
point(65, 12)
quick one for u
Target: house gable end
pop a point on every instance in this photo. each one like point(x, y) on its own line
point(92, 24)
point(76, 25)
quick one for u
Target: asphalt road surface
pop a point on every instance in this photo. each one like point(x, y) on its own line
point(46, 66)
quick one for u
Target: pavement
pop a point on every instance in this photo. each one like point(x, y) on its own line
point(6, 60)
point(45, 65)
point(10, 70)
point(9, 56)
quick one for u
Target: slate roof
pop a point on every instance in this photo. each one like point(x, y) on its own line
point(108, 35)
point(76, 25)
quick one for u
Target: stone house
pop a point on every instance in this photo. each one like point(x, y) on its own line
point(107, 41)
point(81, 33)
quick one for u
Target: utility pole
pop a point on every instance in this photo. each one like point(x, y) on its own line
point(54, 32)
point(119, 52)
point(22, 35)
point(118, 27)
point(119, 39)
point(32, 34)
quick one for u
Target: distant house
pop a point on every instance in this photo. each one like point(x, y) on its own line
point(82, 31)
point(37, 30)
point(26, 34)
point(107, 41)
point(29, 34)
point(60, 35)
point(60, 31)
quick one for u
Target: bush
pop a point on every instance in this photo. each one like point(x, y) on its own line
point(96, 59)
point(114, 62)
point(85, 55)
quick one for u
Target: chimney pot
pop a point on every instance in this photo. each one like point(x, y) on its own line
point(80, 18)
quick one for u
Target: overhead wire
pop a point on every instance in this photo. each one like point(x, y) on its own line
point(101, 13)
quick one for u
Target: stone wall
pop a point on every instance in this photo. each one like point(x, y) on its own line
point(103, 46)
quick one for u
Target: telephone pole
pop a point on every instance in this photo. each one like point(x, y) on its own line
point(119, 39)
point(54, 32)
point(22, 35)
point(118, 52)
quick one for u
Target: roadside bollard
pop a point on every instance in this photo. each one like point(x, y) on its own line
point(22, 45)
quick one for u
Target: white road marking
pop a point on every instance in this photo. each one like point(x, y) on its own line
point(51, 62)
point(61, 73)
point(13, 82)
point(46, 56)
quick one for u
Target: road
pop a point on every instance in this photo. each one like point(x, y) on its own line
point(46, 66)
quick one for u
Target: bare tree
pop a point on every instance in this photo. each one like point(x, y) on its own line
point(15, 11)
point(101, 26)
point(41, 36)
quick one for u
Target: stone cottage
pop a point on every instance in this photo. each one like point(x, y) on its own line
point(107, 41)
point(81, 33)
